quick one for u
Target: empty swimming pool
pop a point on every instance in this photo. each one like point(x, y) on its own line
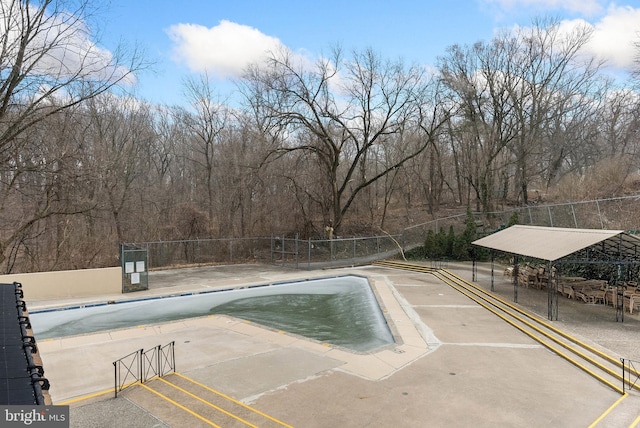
point(341, 311)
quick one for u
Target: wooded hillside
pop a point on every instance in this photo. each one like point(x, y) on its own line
point(355, 142)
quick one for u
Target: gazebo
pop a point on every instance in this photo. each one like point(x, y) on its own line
point(561, 246)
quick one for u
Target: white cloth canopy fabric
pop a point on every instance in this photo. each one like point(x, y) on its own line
point(554, 243)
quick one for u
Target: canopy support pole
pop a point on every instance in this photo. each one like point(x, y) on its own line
point(619, 296)
point(552, 293)
point(515, 278)
point(492, 259)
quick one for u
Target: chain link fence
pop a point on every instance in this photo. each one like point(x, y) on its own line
point(319, 253)
point(615, 213)
point(283, 251)
point(197, 252)
point(622, 213)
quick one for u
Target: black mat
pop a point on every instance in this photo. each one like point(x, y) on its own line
point(21, 380)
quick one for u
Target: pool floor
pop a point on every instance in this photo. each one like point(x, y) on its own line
point(341, 311)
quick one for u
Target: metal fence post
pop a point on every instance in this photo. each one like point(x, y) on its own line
point(158, 350)
point(330, 250)
point(173, 354)
point(115, 377)
point(599, 215)
point(140, 364)
point(284, 243)
point(354, 248)
point(297, 248)
point(148, 258)
point(122, 266)
point(623, 370)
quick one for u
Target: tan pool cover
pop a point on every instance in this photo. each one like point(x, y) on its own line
point(553, 243)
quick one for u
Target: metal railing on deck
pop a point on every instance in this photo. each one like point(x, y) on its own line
point(630, 376)
point(141, 366)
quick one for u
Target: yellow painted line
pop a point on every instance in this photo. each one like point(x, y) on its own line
point(613, 406)
point(601, 354)
point(233, 399)
point(480, 293)
point(461, 285)
point(220, 409)
point(191, 412)
point(86, 397)
point(534, 337)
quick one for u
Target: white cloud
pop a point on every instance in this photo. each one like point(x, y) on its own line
point(615, 35)
point(225, 50)
point(60, 46)
point(582, 7)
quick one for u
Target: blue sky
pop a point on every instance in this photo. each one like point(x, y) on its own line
point(189, 37)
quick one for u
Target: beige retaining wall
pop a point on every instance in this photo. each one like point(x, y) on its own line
point(68, 283)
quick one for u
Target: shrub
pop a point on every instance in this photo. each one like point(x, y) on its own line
point(452, 246)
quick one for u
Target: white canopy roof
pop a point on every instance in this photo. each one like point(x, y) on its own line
point(554, 243)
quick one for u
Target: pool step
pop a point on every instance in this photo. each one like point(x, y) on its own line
point(180, 401)
point(397, 264)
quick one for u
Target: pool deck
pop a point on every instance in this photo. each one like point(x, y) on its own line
point(454, 363)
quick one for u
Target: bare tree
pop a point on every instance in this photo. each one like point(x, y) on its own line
point(483, 126)
point(119, 133)
point(206, 124)
point(48, 65)
point(516, 94)
point(43, 176)
point(168, 186)
point(553, 88)
point(340, 111)
point(619, 123)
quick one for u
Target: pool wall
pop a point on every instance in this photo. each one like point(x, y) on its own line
point(135, 312)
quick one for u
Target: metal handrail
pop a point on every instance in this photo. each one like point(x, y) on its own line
point(150, 363)
point(628, 372)
point(141, 366)
point(168, 361)
point(135, 360)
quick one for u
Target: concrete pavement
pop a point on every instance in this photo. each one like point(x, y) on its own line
point(454, 363)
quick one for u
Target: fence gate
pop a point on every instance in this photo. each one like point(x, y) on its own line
point(285, 251)
point(135, 265)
